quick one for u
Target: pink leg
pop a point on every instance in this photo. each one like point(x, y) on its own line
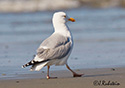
point(48, 77)
point(74, 73)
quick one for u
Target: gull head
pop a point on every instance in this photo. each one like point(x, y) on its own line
point(61, 17)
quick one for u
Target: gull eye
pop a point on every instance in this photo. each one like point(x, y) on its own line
point(65, 16)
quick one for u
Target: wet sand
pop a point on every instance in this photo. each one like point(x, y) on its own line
point(93, 78)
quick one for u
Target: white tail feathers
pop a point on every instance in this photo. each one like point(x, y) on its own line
point(38, 66)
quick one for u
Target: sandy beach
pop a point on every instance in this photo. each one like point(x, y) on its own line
point(93, 78)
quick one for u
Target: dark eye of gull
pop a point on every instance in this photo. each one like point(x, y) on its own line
point(65, 16)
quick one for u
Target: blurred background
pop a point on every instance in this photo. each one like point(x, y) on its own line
point(43, 5)
point(99, 33)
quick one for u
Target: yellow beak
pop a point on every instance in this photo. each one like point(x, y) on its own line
point(71, 19)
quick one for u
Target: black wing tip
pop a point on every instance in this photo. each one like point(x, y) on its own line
point(34, 63)
point(24, 66)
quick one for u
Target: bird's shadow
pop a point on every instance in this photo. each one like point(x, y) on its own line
point(99, 75)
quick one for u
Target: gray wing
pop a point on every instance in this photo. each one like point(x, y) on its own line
point(55, 40)
point(59, 47)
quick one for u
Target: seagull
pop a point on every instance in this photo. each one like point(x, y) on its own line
point(56, 49)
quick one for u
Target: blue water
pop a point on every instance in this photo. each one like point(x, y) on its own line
point(99, 36)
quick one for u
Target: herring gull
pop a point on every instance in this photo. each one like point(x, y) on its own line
point(56, 49)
